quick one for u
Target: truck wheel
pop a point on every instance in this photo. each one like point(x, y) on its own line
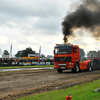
point(59, 70)
point(77, 68)
point(89, 67)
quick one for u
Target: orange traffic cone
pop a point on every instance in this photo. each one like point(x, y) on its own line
point(68, 97)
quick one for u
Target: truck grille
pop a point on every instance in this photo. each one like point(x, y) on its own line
point(62, 59)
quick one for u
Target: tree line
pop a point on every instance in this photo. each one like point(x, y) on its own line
point(24, 53)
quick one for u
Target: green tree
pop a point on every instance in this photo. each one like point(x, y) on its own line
point(24, 53)
point(6, 52)
point(49, 55)
point(42, 56)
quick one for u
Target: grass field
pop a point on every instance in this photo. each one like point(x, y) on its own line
point(26, 66)
point(82, 92)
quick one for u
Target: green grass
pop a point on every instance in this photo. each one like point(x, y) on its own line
point(82, 92)
point(26, 66)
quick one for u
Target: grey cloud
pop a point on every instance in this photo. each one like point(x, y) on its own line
point(50, 23)
point(19, 11)
point(4, 17)
point(49, 14)
point(29, 8)
point(80, 42)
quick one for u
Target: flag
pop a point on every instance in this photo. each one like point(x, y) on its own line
point(0, 53)
point(40, 51)
point(11, 50)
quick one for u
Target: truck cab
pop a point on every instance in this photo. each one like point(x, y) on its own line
point(66, 56)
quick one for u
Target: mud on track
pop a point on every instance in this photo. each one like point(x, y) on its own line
point(23, 83)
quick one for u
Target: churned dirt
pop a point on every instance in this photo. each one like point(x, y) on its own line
point(16, 84)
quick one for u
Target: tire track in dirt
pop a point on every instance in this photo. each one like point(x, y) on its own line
point(23, 83)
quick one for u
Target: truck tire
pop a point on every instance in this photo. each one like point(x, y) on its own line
point(76, 68)
point(59, 70)
point(89, 67)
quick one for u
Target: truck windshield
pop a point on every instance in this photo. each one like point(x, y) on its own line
point(63, 50)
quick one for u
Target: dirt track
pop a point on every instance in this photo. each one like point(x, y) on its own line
point(22, 83)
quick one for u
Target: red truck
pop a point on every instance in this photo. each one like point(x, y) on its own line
point(67, 56)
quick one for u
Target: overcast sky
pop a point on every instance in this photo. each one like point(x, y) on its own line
point(35, 23)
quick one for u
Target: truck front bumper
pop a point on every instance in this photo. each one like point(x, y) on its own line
point(64, 66)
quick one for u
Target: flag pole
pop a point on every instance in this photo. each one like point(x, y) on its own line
point(11, 50)
point(40, 51)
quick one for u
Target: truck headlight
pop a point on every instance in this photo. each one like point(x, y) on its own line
point(70, 63)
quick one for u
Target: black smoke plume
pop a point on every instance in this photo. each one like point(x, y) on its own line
point(87, 15)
